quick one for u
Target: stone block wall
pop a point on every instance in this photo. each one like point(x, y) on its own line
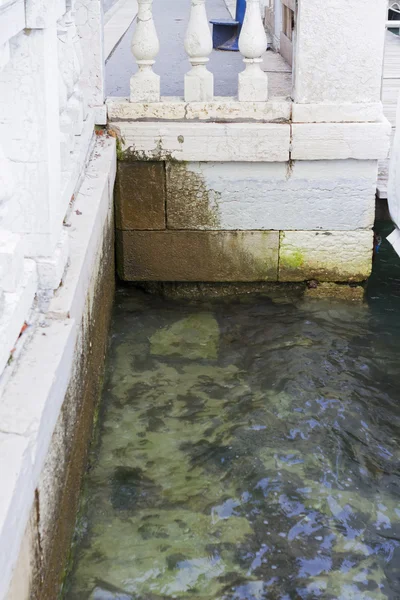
point(245, 221)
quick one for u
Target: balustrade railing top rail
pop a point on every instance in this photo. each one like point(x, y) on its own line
point(199, 81)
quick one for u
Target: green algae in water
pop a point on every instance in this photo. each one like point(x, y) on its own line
point(249, 450)
point(194, 337)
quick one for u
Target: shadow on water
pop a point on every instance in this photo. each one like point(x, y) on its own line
point(248, 449)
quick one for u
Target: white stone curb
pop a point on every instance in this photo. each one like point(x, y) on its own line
point(32, 398)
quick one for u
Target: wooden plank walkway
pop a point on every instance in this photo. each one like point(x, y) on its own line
point(390, 94)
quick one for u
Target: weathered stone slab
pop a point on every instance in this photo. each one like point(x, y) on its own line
point(197, 255)
point(140, 195)
point(225, 109)
point(318, 141)
point(189, 141)
point(325, 255)
point(337, 113)
point(244, 196)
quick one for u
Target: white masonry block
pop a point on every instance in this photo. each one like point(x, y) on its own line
point(31, 126)
point(313, 195)
point(337, 113)
point(259, 142)
point(43, 13)
point(51, 269)
point(318, 141)
point(339, 48)
point(11, 260)
point(16, 310)
point(222, 108)
point(325, 255)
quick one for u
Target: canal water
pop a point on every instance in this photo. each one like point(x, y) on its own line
point(247, 449)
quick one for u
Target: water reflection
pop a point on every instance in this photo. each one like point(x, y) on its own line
point(248, 449)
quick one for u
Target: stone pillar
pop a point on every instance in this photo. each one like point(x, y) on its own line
point(338, 52)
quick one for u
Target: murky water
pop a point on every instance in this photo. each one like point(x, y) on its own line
point(247, 449)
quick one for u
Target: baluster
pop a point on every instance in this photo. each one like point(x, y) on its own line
point(145, 84)
point(253, 82)
point(199, 82)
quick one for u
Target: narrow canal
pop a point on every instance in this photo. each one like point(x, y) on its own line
point(247, 449)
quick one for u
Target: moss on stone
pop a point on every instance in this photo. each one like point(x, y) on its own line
point(196, 336)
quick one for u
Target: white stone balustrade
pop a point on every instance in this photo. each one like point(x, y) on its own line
point(145, 84)
point(199, 82)
point(253, 82)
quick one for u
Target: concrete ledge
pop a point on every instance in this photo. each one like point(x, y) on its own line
point(51, 269)
point(197, 255)
point(226, 109)
point(92, 205)
point(17, 306)
point(72, 179)
point(258, 142)
point(318, 141)
point(17, 485)
point(29, 409)
point(325, 255)
point(33, 398)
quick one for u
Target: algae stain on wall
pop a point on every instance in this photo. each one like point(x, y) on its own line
point(291, 259)
point(191, 204)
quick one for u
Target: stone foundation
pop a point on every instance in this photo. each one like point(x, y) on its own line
point(244, 221)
